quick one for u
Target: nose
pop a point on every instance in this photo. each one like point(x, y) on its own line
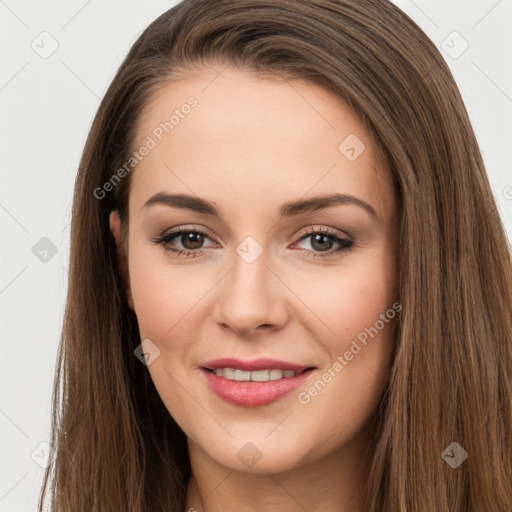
point(251, 298)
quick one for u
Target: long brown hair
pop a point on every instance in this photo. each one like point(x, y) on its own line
point(116, 446)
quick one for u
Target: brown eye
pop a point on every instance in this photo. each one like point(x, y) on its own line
point(323, 240)
point(191, 240)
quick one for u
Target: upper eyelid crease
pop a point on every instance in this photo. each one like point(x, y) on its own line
point(164, 238)
point(331, 232)
point(290, 209)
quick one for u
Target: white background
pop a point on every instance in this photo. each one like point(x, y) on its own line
point(47, 106)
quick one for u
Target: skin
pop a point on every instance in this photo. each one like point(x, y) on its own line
point(250, 145)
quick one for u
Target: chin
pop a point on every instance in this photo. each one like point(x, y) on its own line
point(258, 456)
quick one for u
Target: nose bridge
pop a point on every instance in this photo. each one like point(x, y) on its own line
point(250, 293)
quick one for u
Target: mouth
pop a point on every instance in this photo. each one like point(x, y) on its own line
point(272, 374)
point(257, 370)
point(254, 383)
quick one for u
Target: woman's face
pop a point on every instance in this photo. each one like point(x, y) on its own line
point(272, 268)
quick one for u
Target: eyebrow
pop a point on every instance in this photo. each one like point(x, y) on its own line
point(290, 209)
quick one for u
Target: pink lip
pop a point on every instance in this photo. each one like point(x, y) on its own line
point(251, 366)
point(253, 394)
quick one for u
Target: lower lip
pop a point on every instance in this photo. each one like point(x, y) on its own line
point(250, 393)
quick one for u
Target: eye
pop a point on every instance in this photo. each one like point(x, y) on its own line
point(322, 240)
point(190, 239)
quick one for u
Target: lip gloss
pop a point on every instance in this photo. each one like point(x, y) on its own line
point(250, 393)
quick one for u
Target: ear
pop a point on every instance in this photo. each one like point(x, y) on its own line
point(115, 228)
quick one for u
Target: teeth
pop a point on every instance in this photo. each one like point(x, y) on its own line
point(257, 376)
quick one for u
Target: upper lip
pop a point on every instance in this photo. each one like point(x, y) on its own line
point(254, 365)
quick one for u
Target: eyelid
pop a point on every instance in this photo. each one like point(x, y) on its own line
point(186, 227)
point(343, 239)
point(331, 231)
point(205, 231)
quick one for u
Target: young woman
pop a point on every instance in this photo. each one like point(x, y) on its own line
point(290, 287)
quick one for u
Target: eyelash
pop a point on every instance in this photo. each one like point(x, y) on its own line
point(164, 239)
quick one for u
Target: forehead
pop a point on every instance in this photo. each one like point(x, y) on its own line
point(231, 130)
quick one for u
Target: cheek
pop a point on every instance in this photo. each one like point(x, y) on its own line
point(357, 308)
point(164, 297)
point(352, 299)
point(348, 389)
point(165, 301)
